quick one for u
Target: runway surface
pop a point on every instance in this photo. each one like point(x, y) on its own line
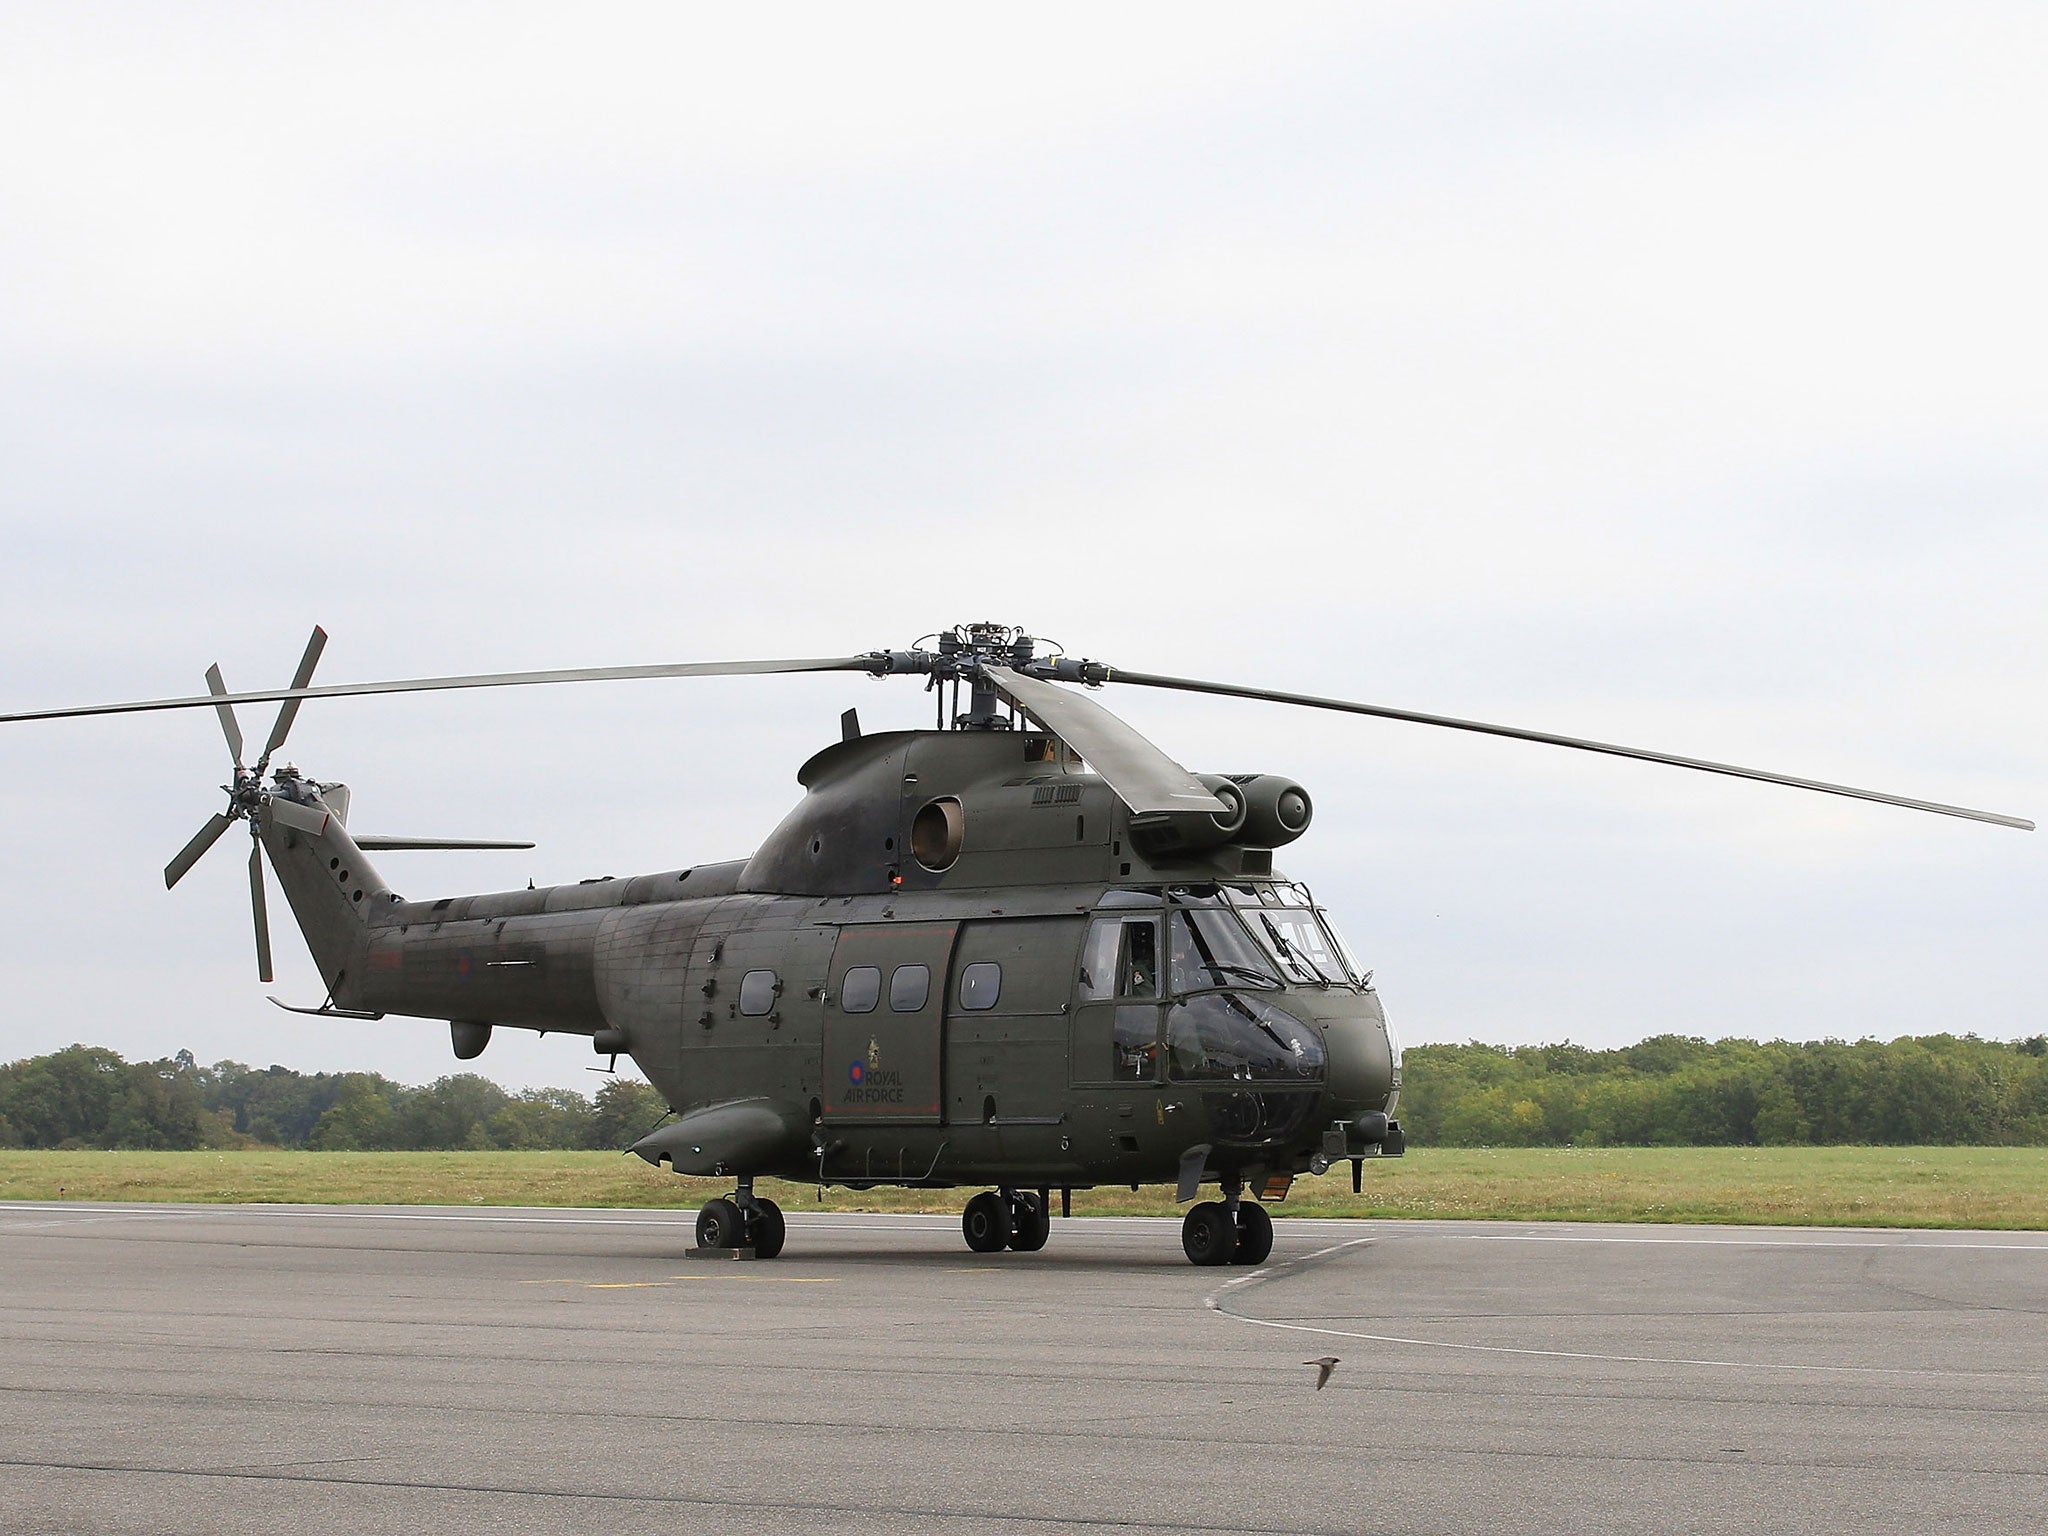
point(225, 1369)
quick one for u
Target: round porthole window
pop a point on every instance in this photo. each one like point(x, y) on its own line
point(935, 834)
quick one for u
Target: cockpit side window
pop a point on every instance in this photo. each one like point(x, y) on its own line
point(1098, 960)
point(1121, 959)
point(1344, 955)
point(1137, 972)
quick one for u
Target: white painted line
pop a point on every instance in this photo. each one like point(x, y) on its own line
point(1214, 1302)
point(1932, 1245)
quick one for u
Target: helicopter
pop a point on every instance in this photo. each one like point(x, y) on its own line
point(1023, 949)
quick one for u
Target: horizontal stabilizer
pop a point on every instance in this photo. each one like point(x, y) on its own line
point(385, 844)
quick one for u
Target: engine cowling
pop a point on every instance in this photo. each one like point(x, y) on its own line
point(1277, 810)
point(1161, 833)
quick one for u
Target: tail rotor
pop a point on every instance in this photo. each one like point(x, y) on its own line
point(246, 795)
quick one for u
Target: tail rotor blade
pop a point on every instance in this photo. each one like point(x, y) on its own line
point(290, 711)
point(195, 850)
point(262, 912)
point(229, 728)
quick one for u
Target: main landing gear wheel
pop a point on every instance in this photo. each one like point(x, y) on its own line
point(720, 1224)
point(770, 1229)
point(987, 1224)
point(1031, 1223)
point(1208, 1235)
point(1254, 1234)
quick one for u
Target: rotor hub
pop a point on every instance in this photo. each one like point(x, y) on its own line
point(963, 655)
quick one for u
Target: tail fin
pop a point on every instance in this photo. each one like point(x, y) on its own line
point(333, 889)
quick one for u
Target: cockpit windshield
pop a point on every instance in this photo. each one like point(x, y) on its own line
point(1298, 941)
point(1295, 932)
point(1208, 947)
point(1263, 934)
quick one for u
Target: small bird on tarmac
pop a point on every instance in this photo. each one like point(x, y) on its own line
point(1323, 1368)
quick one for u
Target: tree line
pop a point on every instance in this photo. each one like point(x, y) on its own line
point(1680, 1091)
point(87, 1096)
point(1671, 1090)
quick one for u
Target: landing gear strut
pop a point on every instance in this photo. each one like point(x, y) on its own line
point(744, 1221)
point(1227, 1231)
point(1007, 1218)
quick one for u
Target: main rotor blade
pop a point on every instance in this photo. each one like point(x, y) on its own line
point(1381, 711)
point(262, 911)
point(381, 844)
point(218, 687)
point(1144, 777)
point(195, 850)
point(290, 709)
point(477, 680)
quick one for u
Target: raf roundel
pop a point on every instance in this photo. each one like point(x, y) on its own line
point(855, 1072)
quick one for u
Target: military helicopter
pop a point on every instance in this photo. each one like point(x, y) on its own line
point(1024, 949)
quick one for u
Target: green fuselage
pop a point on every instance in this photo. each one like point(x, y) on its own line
point(1050, 1006)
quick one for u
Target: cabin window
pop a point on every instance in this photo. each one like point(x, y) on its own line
point(980, 985)
point(909, 988)
point(757, 992)
point(861, 989)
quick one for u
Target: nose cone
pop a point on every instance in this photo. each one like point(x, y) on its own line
point(1364, 1068)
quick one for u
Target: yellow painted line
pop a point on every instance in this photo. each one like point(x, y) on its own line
point(615, 1285)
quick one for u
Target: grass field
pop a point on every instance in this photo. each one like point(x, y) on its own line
point(2001, 1187)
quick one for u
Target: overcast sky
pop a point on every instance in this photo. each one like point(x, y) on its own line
point(1670, 375)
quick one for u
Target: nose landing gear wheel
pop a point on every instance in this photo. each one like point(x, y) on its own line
point(719, 1224)
point(1031, 1224)
point(1254, 1234)
point(986, 1223)
point(1208, 1235)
